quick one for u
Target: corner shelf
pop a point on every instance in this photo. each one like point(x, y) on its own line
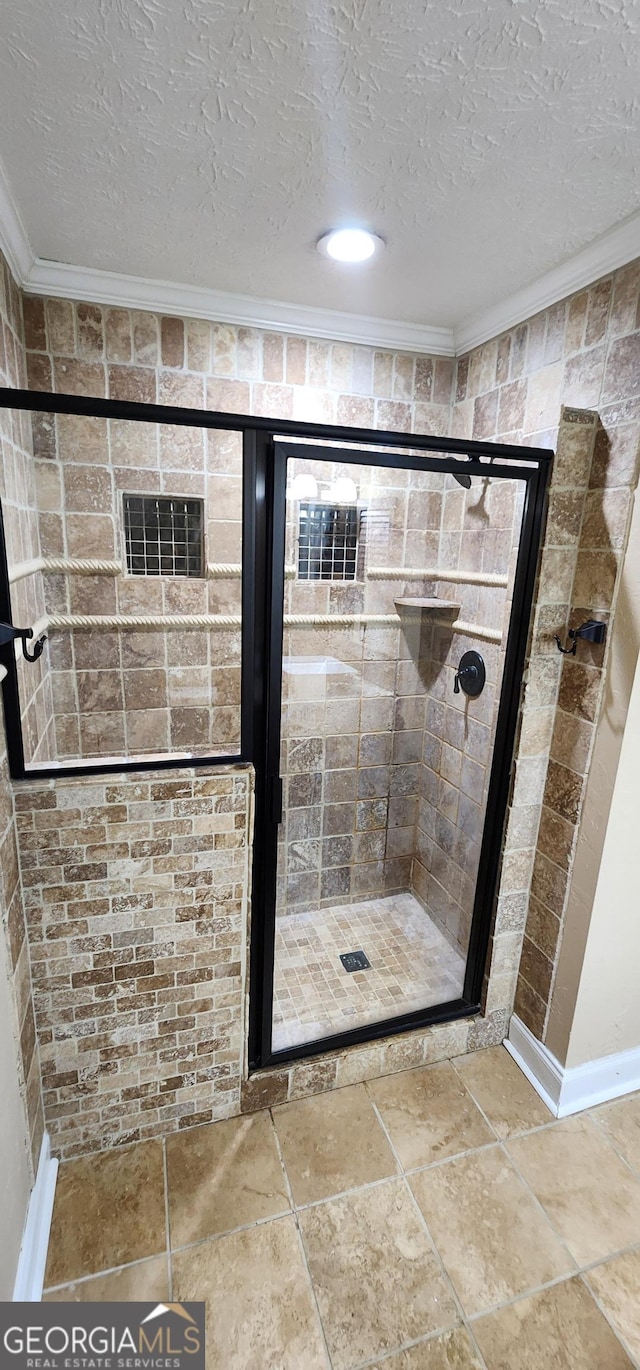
point(433, 606)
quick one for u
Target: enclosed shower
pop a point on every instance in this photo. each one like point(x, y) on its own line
point(396, 591)
point(347, 611)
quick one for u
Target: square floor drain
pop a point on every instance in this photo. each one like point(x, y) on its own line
point(355, 960)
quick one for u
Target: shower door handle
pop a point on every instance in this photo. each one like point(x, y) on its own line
point(275, 798)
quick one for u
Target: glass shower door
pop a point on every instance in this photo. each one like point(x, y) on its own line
point(392, 574)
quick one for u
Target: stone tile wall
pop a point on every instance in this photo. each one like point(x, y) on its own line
point(385, 766)
point(584, 351)
point(20, 514)
point(352, 738)
point(125, 693)
point(16, 490)
point(136, 892)
point(480, 531)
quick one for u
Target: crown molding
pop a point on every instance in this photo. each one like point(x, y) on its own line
point(14, 242)
point(168, 297)
point(37, 276)
point(613, 249)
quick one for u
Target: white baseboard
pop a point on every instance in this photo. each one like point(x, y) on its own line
point(35, 1242)
point(539, 1066)
point(570, 1090)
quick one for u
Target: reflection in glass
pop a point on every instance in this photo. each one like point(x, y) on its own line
point(127, 551)
point(385, 767)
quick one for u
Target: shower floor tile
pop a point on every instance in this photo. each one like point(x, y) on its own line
point(412, 967)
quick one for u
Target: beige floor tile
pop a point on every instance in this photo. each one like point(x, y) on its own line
point(502, 1091)
point(429, 1114)
point(591, 1196)
point(222, 1176)
point(109, 1210)
point(617, 1287)
point(145, 1281)
point(621, 1122)
point(558, 1329)
point(376, 1279)
point(332, 1142)
point(494, 1241)
point(260, 1311)
point(451, 1351)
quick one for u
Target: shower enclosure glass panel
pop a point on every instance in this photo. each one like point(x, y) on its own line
point(124, 546)
point(390, 575)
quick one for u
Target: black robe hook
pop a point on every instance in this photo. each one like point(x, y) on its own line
point(591, 631)
point(9, 634)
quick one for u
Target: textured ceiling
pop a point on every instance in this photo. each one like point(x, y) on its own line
point(211, 141)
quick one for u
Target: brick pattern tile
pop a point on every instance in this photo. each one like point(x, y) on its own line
point(135, 892)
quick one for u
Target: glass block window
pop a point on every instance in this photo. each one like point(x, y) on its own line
point(328, 538)
point(163, 535)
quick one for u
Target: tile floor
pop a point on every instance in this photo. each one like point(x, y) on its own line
point(437, 1219)
point(412, 967)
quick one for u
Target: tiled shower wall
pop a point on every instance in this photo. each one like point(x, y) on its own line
point(20, 509)
point(136, 891)
point(353, 736)
point(583, 352)
point(16, 485)
point(586, 345)
point(386, 767)
point(480, 532)
point(128, 693)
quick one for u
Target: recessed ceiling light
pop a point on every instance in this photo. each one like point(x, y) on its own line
point(350, 244)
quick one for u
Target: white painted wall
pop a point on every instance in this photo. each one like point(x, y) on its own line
point(15, 1178)
point(607, 1012)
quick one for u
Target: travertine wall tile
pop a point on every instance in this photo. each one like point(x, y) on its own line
point(18, 493)
point(136, 894)
point(582, 352)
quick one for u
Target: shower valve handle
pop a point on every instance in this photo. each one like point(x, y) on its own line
point(470, 675)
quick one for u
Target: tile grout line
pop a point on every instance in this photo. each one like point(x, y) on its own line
point(400, 1173)
point(344, 1193)
point(423, 1223)
point(110, 1270)
point(420, 1065)
point(603, 1134)
point(554, 1122)
point(579, 1267)
point(609, 1319)
point(276, 1217)
point(231, 1232)
point(417, 1342)
point(527, 1293)
point(167, 1222)
point(540, 1206)
point(300, 1239)
point(524, 1132)
point(635, 1170)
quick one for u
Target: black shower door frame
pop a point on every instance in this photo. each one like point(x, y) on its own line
point(267, 445)
point(532, 466)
